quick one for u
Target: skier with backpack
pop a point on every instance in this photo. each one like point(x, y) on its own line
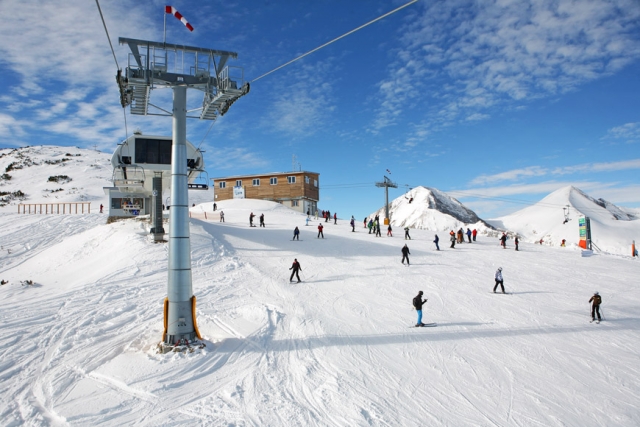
point(417, 304)
point(595, 301)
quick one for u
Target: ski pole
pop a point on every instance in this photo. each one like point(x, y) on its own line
point(602, 312)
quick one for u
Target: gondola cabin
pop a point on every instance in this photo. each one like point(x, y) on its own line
point(138, 160)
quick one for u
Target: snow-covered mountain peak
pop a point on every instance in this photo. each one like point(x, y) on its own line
point(431, 209)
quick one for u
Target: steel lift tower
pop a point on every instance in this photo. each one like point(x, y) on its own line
point(386, 184)
point(155, 65)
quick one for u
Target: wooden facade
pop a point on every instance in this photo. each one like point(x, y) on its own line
point(299, 190)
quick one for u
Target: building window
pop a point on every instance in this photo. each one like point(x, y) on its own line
point(273, 181)
point(222, 184)
point(256, 182)
point(291, 179)
point(294, 203)
point(306, 179)
point(315, 182)
point(238, 183)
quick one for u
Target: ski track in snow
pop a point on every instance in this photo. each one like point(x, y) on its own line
point(333, 350)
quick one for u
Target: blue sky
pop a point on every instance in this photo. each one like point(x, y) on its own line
point(496, 102)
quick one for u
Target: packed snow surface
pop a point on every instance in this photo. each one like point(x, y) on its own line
point(79, 345)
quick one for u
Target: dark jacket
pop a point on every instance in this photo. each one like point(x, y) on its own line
point(295, 266)
point(596, 299)
point(418, 301)
point(405, 250)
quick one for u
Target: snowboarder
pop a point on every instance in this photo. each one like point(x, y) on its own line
point(405, 253)
point(503, 241)
point(389, 231)
point(335, 218)
point(406, 233)
point(436, 240)
point(261, 220)
point(516, 241)
point(473, 233)
point(595, 306)
point(221, 216)
point(499, 280)
point(417, 304)
point(452, 237)
point(251, 215)
point(352, 223)
point(101, 207)
point(295, 267)
point(469, 235)
point(320, 233)
point(296, 234)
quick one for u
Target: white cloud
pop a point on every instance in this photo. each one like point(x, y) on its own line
point(463, 57)
point(536, 171)
point(629, 132)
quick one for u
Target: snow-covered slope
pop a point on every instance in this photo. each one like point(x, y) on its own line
point(78, 346)
point(612, 229)
point(51, 174)
point(431, 209)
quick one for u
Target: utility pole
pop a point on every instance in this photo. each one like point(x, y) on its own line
point(386, 184)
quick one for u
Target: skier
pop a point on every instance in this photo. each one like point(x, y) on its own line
point(365, 222)
point(595, 306)
point(378, 233)
point(503, 241)
point(563, 243)
point(370, 225)
point(499, 280)
point(296, 234)
point(327, 215)
point(251, 215)
point(335, 218)
point(436, 240)
point(389, 231)
point(261, 220)
point(460, 236)
point(101, 207)
point(320, 233)
point(295, 267)
point(516, 241)
point(406, 233)
point(473, 233)
point(417, 304)
point(452, 237)
point(469, 235)
point(221, 216)
point(353, 224)
point(405, 253)
point(215, 207)
point(306, 221)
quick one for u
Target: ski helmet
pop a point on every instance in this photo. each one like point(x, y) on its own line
point(420, 293)
point(596, 293)
point(499, 268)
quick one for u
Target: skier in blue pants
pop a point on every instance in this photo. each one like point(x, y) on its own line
point(437, 239)
point(417, 304)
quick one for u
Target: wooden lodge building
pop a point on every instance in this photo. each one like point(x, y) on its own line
point(299, 190)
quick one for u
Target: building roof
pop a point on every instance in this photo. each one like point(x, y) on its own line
point(263, 174)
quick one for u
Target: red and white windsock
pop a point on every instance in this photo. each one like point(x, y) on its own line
point(172, 10)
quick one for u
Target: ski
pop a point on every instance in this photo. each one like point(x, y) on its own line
point(425, 325)
point(501, 293)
